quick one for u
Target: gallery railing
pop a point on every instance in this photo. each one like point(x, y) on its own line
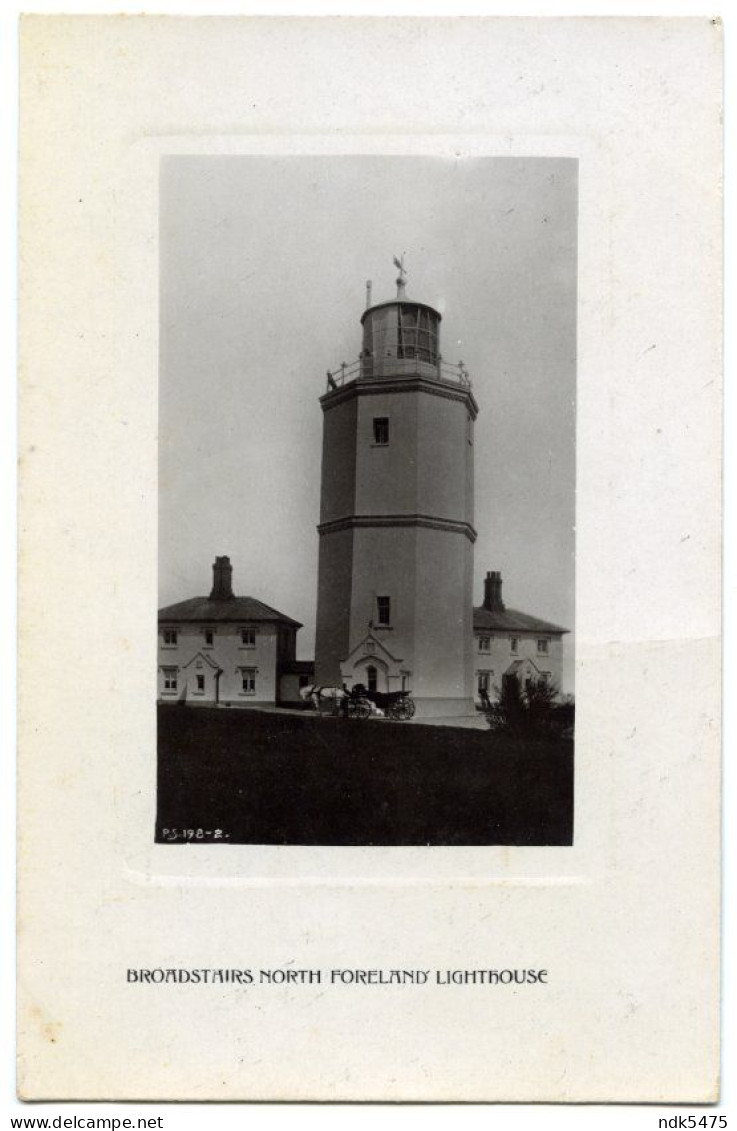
point(366, 366)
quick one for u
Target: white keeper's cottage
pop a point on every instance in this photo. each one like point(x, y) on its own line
point(510, 644)
point(225, 649)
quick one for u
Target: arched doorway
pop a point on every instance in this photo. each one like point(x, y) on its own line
point(371, 666)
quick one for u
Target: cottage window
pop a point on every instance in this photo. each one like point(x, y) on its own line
point(484, 643)
point(209, 637)
point(381, 429)
point(200, 683)
point(514, 643)
point(484, 682)
point(248, 681)
point(384, 610)
point(542, 647)
point(170, 679)
point(371, 675)
point(248, 637)
point(545, 677)
point(170, 637)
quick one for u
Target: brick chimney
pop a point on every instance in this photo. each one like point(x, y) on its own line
point(493, 592)
point(222, 580)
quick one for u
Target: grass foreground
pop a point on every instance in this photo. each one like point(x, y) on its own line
point(265, 778)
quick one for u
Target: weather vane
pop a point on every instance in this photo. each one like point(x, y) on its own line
point(399, 264)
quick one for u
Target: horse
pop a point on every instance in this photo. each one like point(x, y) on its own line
point(319, 695)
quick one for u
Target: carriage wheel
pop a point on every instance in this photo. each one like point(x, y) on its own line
point(396, 710)
point(408, 708)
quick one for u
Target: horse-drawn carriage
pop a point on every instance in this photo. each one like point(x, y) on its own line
point(393, 704)
point(359, 702)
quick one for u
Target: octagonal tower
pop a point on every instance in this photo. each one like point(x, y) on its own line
point(395, 574)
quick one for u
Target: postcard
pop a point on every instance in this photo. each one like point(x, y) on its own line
point(370, 559)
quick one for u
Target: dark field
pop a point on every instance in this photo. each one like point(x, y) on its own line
point(295, 779)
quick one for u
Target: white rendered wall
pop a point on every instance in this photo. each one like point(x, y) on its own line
point(228, 653)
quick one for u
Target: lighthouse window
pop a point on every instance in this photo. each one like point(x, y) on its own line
point(407, 332)
point(427, 338)
point(416, 334)
point(381, 429)
point(384, 610)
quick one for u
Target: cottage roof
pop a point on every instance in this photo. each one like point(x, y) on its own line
point(510, 620)
point(214, 609)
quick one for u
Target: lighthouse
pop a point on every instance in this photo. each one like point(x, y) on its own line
point(396, 533)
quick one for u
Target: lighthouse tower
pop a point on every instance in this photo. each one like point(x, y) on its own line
point(395, 574)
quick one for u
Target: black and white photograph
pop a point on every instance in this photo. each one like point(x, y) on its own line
point(367, 500)
point(369, 606)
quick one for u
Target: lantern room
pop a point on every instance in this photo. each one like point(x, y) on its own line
point(401, 337)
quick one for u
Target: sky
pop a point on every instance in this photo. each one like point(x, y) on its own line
point(264, 263)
